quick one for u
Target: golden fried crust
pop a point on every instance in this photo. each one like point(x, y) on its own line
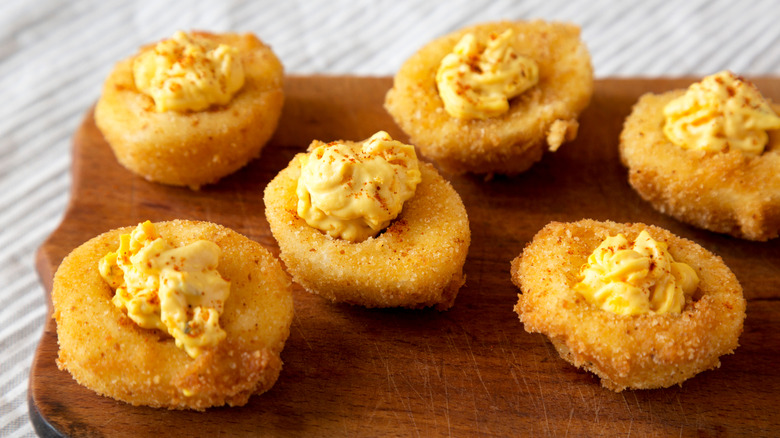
point(193, 148)
point(512, 142)
point(108, 353)
point(641, 351)
point(726, 192)
point(416, 262)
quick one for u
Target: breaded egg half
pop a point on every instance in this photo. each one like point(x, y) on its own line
point(107, 352)
point(542, 117)
point(725, 192)
point(193, 148)
point(416, 262)
point(626, 351)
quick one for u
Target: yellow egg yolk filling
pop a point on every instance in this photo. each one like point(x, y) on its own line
point(720, 113)
point(188, 72)
point(354, 191)
point(173, 289)
point(477, 80)
point(636, 278)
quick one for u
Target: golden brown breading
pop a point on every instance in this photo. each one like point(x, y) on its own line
point(193, 148)
point(416, 262)
point(107, 352)
point(726, 192)
point(640, 351)
point(544, 115)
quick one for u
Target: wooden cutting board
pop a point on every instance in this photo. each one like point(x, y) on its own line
point(470, 371)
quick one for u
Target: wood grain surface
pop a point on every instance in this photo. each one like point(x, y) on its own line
point(470, 371)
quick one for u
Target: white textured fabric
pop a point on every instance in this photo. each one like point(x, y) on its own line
point(55, 54)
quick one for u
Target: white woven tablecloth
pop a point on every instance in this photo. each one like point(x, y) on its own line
point(55, 54)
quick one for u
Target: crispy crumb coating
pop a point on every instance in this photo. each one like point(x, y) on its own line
point(636, 352)
point(544, 116)
point(416, 262)
point(725, 192)
point(193, 148)
point(107, 352)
